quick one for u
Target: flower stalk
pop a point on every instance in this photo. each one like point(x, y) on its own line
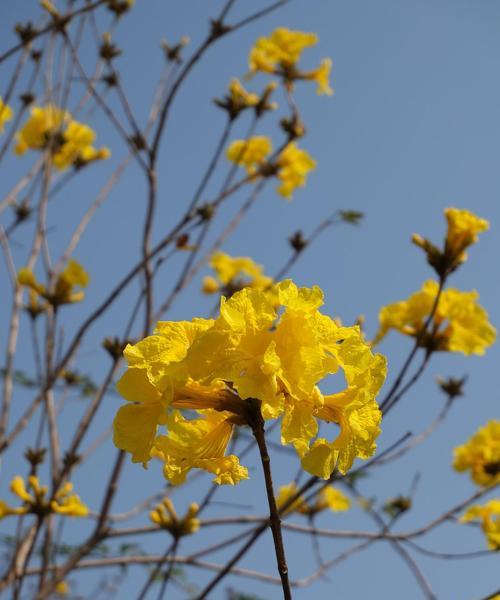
point(256, 422)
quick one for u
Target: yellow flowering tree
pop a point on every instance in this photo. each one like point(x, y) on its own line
point(162, 352)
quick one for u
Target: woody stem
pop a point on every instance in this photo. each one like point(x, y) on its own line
point(256, 422)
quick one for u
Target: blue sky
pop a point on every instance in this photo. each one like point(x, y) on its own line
point(413, 127)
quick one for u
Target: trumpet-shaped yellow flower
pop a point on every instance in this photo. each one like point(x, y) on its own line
point(252, 350)
point(234, 273)
point(73, 276)
point(201, 444)
point(36, 502)
point(354, 410)
point(460, 324)
point(70, 141)
point(6, 114)
point(321, 76)
point(481, 455)
point(294, 165)
point(136, 424)
point(251, 153)
point(489, 516)
point(279, 54)
point(324, 348)
point(164, 516)
point(463, 230)
point(328, 498)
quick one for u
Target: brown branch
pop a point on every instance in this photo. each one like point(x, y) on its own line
point(52, 26)
point(256, 422)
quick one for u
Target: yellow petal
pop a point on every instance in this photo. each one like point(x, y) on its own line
point(135, 429)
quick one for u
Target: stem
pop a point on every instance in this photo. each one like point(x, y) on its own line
point(257, 424)
point(399, 380)
point(171, 549)
point(170, 568)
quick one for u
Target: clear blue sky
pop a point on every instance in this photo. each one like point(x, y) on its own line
point(413, 127)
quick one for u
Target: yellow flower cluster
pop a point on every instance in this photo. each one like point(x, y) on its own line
point(164, 516)
point(489, 516)
point(460, 324)
point(72, 276)
point(481, 455)
point(235, 273)
point(462, 232)
point(70, 141)
point(6, 114)
point(328, 498)
point(252, 350)
point(279, 54)
point(36, 501)
point(291, 166)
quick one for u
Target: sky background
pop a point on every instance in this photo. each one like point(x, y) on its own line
point(413, 127)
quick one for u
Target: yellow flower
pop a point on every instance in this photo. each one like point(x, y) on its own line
point(77, 148)
point(253, 350)
point(164, 516)
point(240, 348)
point(155, 363)
point(135, 424)
point(7, 511)
point(481, 455)
point(237, 100)
point(73, 275)
point(36, 501)
point(463, 229)
point(201, 444)
point(210, 285)
point(279, 53)
point(321, 76)
point(43, 124)
point(234, 273)
point(291, 167)
point(310, 346)
point(460, 324)
point(70, 141)
point(6, 114)
point(66, 503)
point(489, 516)
point(328, 498)
point(283, 48)
point(294, 165)
point(251, 153)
